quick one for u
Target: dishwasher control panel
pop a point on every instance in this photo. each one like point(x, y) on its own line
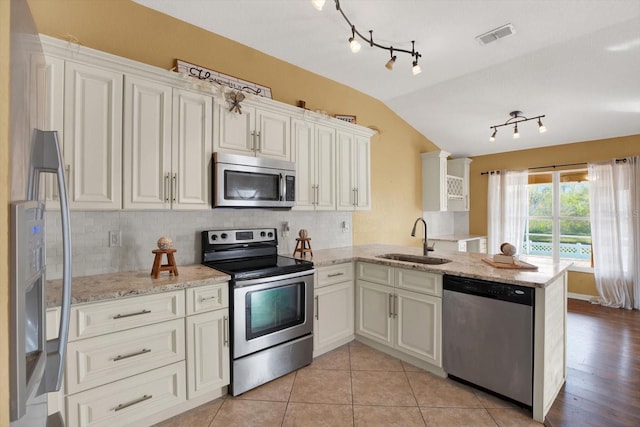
point(484, 288)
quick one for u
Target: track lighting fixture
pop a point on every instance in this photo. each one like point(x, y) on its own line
point(517, 117)
point(355, 45)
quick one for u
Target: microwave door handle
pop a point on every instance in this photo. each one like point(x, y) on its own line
point(283, 189)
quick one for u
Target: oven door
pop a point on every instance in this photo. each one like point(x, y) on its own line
point(270, 311)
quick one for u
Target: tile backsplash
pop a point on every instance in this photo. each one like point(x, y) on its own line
point(140, 231)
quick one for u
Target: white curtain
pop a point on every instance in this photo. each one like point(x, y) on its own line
point(507, 206)
point(615, 230)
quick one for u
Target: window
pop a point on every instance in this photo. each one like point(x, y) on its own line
point(558, 224)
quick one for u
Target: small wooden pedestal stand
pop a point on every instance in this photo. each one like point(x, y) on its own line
point(157, 262)
point(303, 245)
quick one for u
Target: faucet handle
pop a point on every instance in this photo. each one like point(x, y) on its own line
point(431, 248)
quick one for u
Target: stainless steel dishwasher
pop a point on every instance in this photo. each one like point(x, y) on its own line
point(487, 335)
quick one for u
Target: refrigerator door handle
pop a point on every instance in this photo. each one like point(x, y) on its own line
point(46, 157)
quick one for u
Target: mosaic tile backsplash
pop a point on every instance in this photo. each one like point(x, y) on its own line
point(141, 230)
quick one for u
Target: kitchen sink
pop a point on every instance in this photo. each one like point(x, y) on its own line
point(420, 259)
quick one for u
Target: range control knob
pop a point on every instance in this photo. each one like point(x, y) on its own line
point(214, 237)
point(262, 234)
point(270, 234)
point(224, 235)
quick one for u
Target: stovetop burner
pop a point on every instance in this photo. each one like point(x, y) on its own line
point(248, 254)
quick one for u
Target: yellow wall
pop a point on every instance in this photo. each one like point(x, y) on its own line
point(127, 29)
point(5, 15)
point(569, 153)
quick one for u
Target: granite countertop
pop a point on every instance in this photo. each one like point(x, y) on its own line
point(110, 286)
point(464, 264)
point(457, 237)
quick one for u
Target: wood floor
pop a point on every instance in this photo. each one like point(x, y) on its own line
point(603, 369)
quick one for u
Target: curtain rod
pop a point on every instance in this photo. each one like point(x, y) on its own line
point(623, 160)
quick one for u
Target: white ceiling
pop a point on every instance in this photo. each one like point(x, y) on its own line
point(577, 61)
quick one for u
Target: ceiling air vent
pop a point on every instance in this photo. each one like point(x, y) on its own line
point(498, 33)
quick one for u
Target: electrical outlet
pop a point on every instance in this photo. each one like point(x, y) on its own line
point(115, 239)
point(345, 226)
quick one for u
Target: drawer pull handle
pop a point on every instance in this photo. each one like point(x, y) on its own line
point(126, 356)
point(335, 274)
point(317, 308)
point(122, 406)
point(203, 299)
point(122, 316)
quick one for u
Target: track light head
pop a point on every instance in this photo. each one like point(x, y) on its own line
point(516, 134)
point(416, 68)
point(390, 63)
point(492, 138)
point(541, 128)
point(354, 45)
point(318, 4)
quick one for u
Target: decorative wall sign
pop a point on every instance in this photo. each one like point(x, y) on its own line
point(216, 77)
point(348, 119)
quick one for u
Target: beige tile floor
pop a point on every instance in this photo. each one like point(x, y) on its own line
point(356, 385)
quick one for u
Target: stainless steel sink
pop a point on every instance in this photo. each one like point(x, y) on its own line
point(420, 259)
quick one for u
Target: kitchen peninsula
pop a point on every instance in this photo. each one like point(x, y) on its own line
point(95, 291)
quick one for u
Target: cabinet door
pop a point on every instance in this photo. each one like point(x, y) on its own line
point(304, 156)
point(374, 311)
point(362, 173)
point(418, 325)
point(344, 166)
point(325, 168)
point(234, 132)
point(207, 352)
point(334, 316)
point(273, 139)
point(93, 136)
point(147, 144)
point(47, 104)
point(192, 149)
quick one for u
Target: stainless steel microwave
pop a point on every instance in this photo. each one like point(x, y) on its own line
point(252, 182)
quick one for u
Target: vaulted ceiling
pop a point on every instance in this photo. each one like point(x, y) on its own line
point(576, 61)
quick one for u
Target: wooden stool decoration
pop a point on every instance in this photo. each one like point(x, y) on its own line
point(303, 244)
point(164, 245)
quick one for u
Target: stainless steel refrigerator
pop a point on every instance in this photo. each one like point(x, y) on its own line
point(36, 365)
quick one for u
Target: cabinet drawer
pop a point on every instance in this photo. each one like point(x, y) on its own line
point(99, 360)
point(419, 281)
point(375, 273)
point(95, 319)
point(207, 298)
point(128, 402)
point(334, 274)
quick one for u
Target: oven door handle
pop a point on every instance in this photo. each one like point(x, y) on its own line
point(262, 280)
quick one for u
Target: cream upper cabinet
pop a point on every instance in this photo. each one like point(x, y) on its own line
point(255, 131)
point(167, 147)
point(192, 150)
point(313, 150)
point(147, 144)
point(353, 171)
point(47, 95)
point(445, 183)
point(93, 136)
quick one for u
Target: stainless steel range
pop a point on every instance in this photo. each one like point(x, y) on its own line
point(271, 304)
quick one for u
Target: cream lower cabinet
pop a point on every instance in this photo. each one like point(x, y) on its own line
point(207, 339)
point(401, 309)
point(333, 317)
point(135, 361)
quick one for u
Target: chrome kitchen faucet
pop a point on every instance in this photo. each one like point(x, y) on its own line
point(425, 244)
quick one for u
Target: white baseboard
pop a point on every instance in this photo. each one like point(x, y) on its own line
point(582, 297)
